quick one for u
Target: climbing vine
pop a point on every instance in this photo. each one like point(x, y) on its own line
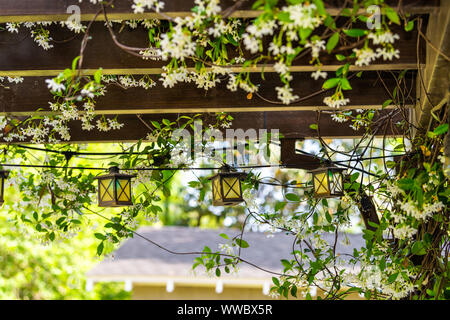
point(406, 251)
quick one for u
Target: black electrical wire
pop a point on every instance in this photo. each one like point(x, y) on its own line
point(77, 153)
point(72, 153)
point(137, 169)
point(69, 154)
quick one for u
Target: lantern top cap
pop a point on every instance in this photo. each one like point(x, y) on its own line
point(114, 173)
point(227, 170)
point(329, 167)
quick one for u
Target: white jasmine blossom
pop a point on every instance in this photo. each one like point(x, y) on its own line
point(318, 74)
point(364, 56)
point(285, 94)
point(335, 101)
point(55, 86)
point(316, 46)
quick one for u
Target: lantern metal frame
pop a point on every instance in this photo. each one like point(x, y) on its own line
point(114, 176)
point(333, 186)
point(220, 196)
point(3, 175)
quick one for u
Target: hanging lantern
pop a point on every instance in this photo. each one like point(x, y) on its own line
point(114, 189)
point(226, 187)
point(3, 175)
point(328, 182)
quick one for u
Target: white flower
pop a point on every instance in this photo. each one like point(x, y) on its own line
point(140, 5)
point(335, 102)
point(87, 92)
point(316, 46)
point(339, 117)
point(13, 27)
point(388, 54)
point(178, 44)
point(261, 29)
point(15, 79)
point(73, 26)
point(383, 37)
point(285, 94)
point(318, 74)
point(404, 232)
point(102, 125)
point(281, 68)
point(364, 56)
point(232, 83)
point(114, 124)
point(55, 86)
point(42, 38)
point(303, 16)
point(274, 48)
point(251, 43)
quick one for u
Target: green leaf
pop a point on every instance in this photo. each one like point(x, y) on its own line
point(206, 249)
point(331, 83)
point(156, 124)
point(218, 272)
point(304, 33)
point(386, 103)
point(98, 75)
point(276, 281)
point(332, 42)
point(223, 235)
point(345, 84)
point(292, 197)
point(405, 184)
point(284, 16)
point(100, 236)
point(328, 217)
point(418, 248)
point(355, 32)
point(280, 205)
point(74, 62)
point(320, 7)
point(409, 26)
point(443, 128)
point(100, 248)
point(314, 126)
point(242, 243)
point(340, 57)
point(294, 291)
point(392, 277)
point(392, 15)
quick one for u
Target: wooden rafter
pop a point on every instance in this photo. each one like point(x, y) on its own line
point(56, 10)
point(367, 93)
point(21, 56)
point(291, 124)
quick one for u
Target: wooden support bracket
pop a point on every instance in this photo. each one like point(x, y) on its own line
point(291, 159)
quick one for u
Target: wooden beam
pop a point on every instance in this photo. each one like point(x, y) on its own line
point(21, 56)
point(56, 10)
point(367, 92)
point(292, 124)
point(433, 81)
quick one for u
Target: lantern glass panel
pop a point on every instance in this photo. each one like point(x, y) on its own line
point(231, 188)
point(217, 193)
point(321, 183)
point(106, 190)
point(337, 183)
point(123, 189)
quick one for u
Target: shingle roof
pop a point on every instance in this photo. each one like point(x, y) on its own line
point(139, 258)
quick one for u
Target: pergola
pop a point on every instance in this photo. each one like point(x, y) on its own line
point(19, 56)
